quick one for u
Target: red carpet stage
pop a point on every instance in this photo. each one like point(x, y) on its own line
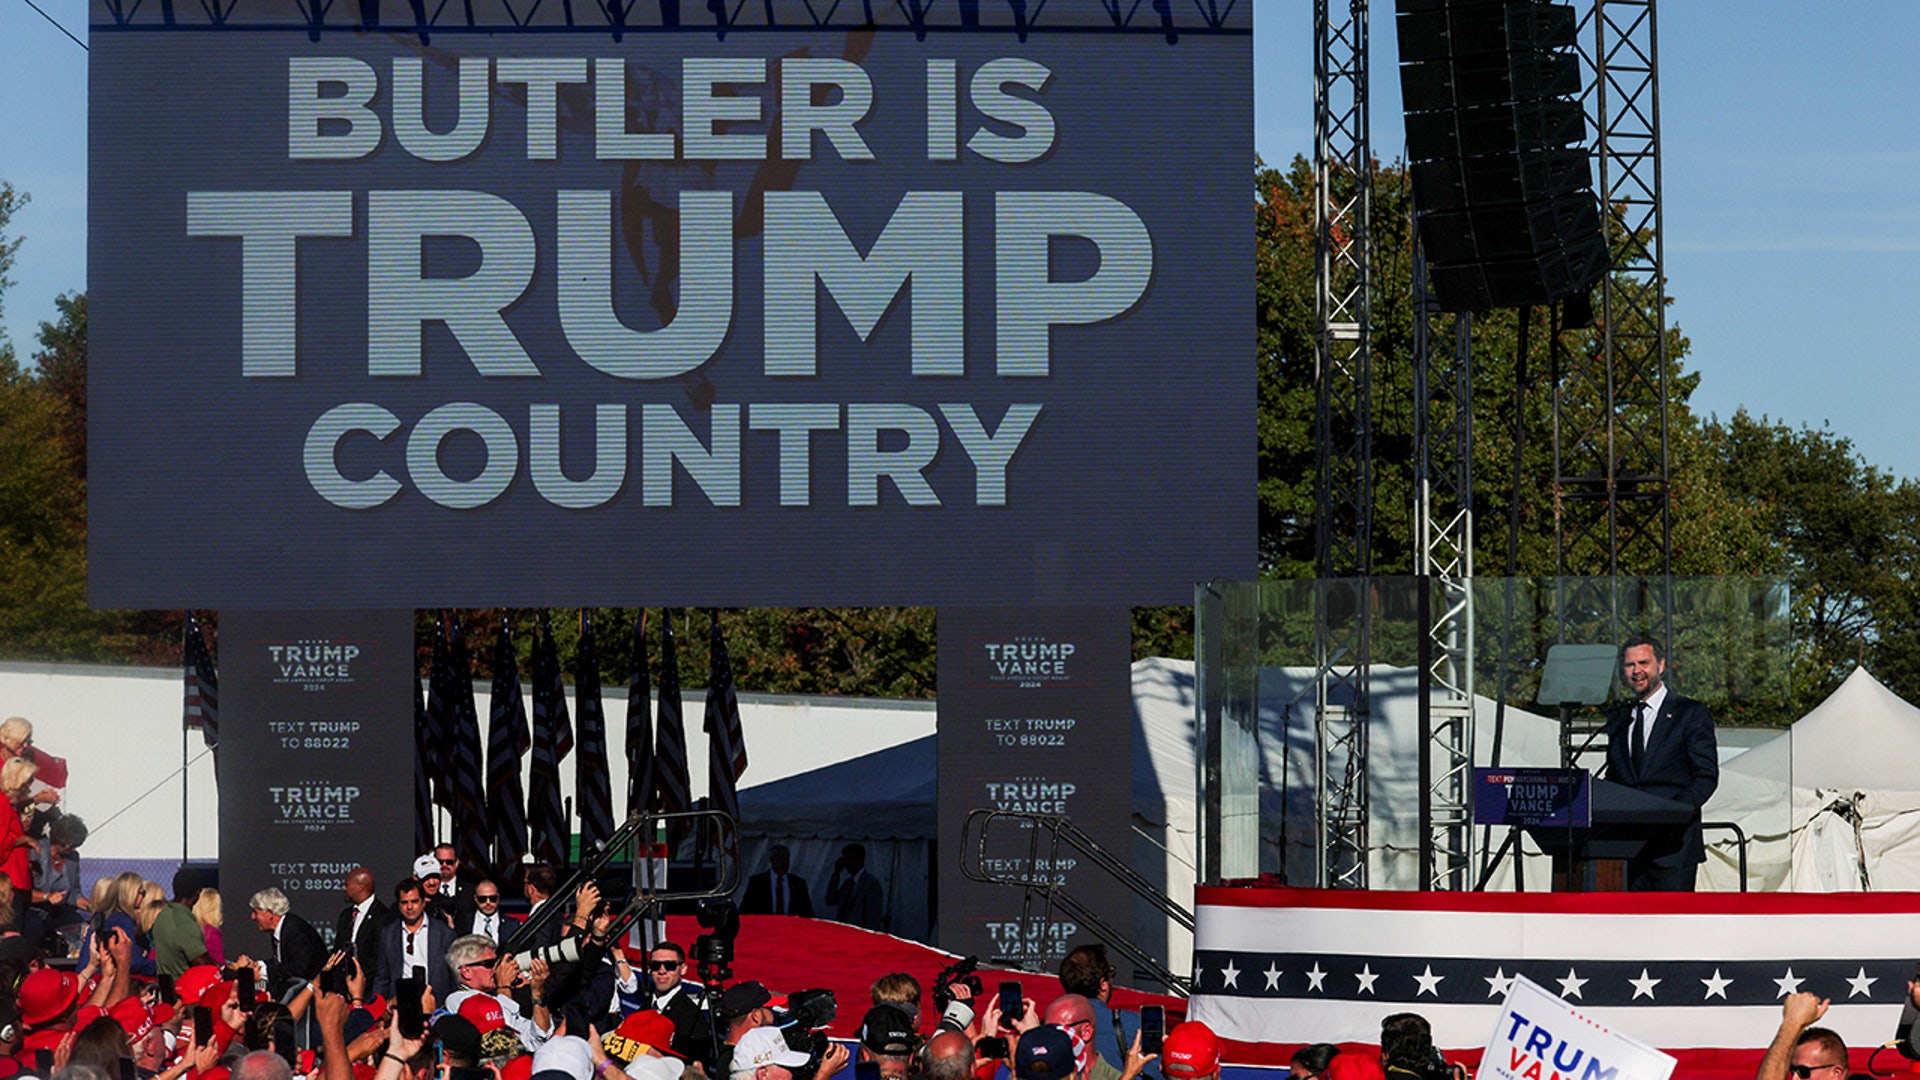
point(788, 953)
point(1701, 976)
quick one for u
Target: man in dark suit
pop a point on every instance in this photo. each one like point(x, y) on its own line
point(360, 922)
point(411, 941)
point(774, 891)
point(1662, 744)
point(483, 915)
point(666, 990)
point(297, 951)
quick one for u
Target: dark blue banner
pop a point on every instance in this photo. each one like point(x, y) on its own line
point(1532, 797)
point(838, 315)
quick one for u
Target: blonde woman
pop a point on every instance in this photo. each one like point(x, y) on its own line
point(16, 777)
point(207, 912)
point(124, 897)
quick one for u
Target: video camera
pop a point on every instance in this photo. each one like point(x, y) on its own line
point(809, 1014)
point(713, 951)
point(956, 1014)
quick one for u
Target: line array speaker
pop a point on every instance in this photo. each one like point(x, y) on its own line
point(1496, 144)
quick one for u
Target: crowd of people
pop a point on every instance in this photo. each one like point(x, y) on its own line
point(129, 980)
point(424, 987)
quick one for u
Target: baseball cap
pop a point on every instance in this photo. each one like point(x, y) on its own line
point(886, 1030)
point(742, 998)
point(643, 1031)
point(46, 994)
point(1189, 1051)
point(426, 866)
point(193, 982)
point(1046, 1053)
point(459, 1035)
point(765, 1046)
point(483, 1011)
point(566, 1054)
point(648, 1067)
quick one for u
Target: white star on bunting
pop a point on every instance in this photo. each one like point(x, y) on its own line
point(1367, 978)
point(1862, 983)
point(1643, 985)
point(1499, 984)
point(1570, 986)
point(1230, 976)
point(1316, 977)
point(1429, 982)
point(1273, 976)
point(1788, 984)
point(1717, 986)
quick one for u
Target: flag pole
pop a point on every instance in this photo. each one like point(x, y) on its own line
point(183, 793)
point(186, 626)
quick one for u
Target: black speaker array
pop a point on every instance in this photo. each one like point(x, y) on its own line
point(1496, 143)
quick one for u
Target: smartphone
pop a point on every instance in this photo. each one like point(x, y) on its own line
point(1153, 1028)
point(202, 1025)
point(1011, 1006)
point(991, 1046)
point(127, 1071)
point(406, 995)
point(866, 1070)
point(245, 977)
point(166, 988)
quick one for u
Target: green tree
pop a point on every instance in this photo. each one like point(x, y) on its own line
point(1846, 534)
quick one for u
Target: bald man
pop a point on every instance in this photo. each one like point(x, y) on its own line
point(363, 918)
point(949, 1056)
point(1075, 1013)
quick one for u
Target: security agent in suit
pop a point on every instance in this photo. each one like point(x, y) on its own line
point(428, 938)
point(767, 889)
point(1662, 744)
point(363, 941)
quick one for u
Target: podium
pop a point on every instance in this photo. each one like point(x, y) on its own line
point(1594, 859)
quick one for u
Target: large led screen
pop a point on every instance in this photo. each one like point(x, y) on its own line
point(394, 308)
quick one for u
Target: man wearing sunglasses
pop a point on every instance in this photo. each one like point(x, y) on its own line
point(483, 915)
point(667, 991)
point(1800, 1049)
point(482, 972)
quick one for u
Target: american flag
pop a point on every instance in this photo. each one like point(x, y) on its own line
point(1278, 968)
point(552, 742)
point(592, 786)
point(437, 748)
point(471, 828)
point(507, 742)
point(640, 778)
point(202, 683)
point(673, 790)
point(422, 788)
point(726, 743)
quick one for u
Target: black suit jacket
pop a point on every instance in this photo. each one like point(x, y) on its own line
point(1681, 762)
point(692, 1033)
point(299, 955)
point(393, 955)
point(758, 899)
point(366, 946)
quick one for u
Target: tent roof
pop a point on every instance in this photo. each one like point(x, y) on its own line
point(1863, 736)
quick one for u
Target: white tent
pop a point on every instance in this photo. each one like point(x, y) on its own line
point(1846, 770)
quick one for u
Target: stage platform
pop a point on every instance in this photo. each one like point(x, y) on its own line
point(1699, 975)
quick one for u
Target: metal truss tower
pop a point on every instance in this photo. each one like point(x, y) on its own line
point(1443, 538)
point(1611, 513)
point(1343, 209)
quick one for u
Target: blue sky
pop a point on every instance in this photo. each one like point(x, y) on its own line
point(1791, 146)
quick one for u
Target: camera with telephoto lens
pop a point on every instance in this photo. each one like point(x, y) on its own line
point(809, 1014)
